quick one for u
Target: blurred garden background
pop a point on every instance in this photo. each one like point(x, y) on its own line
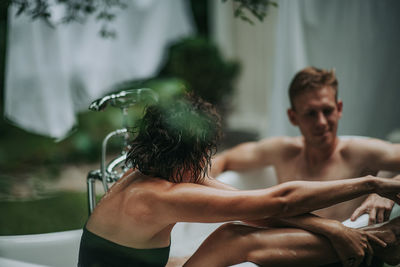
point(43, 177)
point(56, 57)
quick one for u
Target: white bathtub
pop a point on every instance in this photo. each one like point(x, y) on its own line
point(60, 249)
point(52, 249)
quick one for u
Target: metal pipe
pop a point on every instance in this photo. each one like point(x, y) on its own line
point(103, 155)
point(113, 164)
point(90, 182)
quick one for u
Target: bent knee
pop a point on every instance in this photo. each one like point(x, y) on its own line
point(226, 246)
point(234, 231)
point(239, 238)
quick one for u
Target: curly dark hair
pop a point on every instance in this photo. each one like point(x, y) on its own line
point(311, 78)
point(176, 138)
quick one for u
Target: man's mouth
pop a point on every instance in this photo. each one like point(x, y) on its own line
point(320, 134)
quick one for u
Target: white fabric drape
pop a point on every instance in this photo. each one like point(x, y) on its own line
point(53, 73)
point(361, 40)
point(253, 46)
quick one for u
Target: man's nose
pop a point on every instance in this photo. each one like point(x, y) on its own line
point(321, 120)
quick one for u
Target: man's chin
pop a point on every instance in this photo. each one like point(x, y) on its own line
point(323, 140)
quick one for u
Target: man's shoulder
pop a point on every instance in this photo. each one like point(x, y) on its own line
point(355, 146)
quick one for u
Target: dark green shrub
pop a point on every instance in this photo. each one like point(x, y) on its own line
point(199, 63)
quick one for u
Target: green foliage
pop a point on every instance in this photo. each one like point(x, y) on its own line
point(75, 10)
point(193, 64)
point(21, 151)
point(61, 212)
point(105, 11)
point(258, 8)
point(199, 63)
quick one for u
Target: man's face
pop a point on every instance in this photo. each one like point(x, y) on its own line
point(317, 114)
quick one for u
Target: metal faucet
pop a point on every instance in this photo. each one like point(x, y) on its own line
point(108, 172)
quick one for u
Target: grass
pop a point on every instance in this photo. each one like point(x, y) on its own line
point(60, 212)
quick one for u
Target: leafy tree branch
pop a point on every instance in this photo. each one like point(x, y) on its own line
point(105, 11)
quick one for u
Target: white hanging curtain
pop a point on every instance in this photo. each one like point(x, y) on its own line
point(361, 40)
point(53, 73)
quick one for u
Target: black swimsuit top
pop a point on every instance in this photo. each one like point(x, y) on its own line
point(96, 251)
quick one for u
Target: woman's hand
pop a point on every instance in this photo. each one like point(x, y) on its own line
point(353, 245)
point(377, 207)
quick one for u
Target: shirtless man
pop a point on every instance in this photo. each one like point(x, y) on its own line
point(319, 154)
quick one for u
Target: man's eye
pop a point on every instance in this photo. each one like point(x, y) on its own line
point(311, 113)
point(328, 111)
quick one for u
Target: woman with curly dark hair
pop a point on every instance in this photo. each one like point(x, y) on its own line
point(168, 183)
point(176, 138)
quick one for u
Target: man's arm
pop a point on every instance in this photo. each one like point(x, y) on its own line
point(377, 155)
point(249, 155)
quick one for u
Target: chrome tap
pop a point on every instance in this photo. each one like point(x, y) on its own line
point(107, 172)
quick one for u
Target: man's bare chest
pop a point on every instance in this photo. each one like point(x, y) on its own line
point(299, 169)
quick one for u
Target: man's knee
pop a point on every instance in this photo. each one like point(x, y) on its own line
point(229, 232)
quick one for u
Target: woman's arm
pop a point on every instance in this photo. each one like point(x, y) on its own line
point(198, 203)
point(347, 242)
